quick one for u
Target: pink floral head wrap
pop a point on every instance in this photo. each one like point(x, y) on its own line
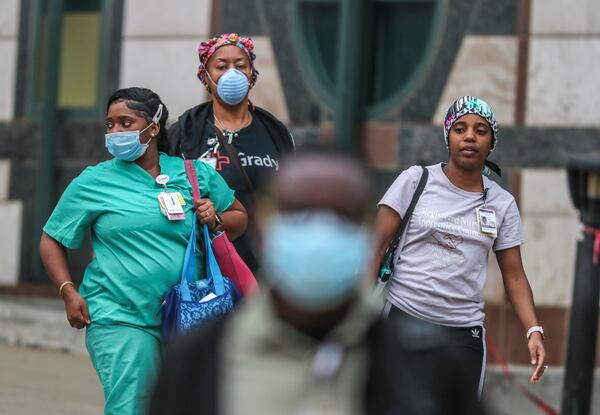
point(208, 48)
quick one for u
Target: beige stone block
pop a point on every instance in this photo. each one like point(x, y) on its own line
point(166, 66)
point(565, 17)
point(486, 67)
point(158, 18)
point(561, 82)
point(10, 241)
point(4, 179)
point(545, 192)
point(9, 18)
point(8, 65)
point(268, 90)
point(549, 257)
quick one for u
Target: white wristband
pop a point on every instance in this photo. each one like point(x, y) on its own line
point(533, 329)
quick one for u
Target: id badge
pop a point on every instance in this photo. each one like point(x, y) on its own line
point(486, 220)
point(171, 204)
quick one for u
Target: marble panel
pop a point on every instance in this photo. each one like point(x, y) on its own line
point(268, 90)
point(4, 179)
point(549, 256)
point(486, 67)
point(10, 241)
point(9, 18)
point(168, 67)
point(560, 83)
point(159, 18)
point(545, 191)
point(8, 65)
point(565, 17)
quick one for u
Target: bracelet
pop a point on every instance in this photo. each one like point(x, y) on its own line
point(218, 220)
point(534, 329)
point(63, 286)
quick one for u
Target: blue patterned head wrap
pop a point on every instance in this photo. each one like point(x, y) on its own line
point(470, 105)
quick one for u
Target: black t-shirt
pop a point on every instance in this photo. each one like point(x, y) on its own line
point(259, 157)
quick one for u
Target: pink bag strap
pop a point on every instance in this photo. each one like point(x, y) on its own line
point(190, 170)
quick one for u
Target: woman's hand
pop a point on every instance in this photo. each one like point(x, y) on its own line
point(76, 307)
point(54, 257)
point(538, 356)
point(205, 210)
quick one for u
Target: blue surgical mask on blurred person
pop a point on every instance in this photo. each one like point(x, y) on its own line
point(233, 86)
point(126, 145)
point(315, 259)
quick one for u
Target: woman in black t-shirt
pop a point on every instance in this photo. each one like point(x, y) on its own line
point(256, 140)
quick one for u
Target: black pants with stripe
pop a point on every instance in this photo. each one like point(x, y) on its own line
point(467, 344)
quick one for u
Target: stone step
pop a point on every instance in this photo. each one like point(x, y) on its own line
point(39, 322)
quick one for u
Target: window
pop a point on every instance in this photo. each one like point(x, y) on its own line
point(82, 34)
point(401, 35)
point(79, 55)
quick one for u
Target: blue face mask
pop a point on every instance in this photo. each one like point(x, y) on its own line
point(126, 145)
point(233, 86)
point(315, 260)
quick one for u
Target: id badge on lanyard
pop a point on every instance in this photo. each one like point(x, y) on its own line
point(486, 219)
point(171, 203)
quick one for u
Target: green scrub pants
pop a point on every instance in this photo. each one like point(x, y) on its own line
point(127, 360)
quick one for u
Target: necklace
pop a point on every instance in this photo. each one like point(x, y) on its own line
point(231, 133)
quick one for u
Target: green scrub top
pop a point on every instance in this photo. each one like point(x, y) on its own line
point(138, 251)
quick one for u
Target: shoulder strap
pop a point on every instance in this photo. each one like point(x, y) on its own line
point(411, 207)
point(233, 155)
point(190, 170)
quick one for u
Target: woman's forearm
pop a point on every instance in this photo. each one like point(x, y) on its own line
point(517, 286)
point(54, 258)
point(235, 220)
point(234, 223)
point(520, 295)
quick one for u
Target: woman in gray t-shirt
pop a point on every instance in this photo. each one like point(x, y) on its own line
point(440, 266)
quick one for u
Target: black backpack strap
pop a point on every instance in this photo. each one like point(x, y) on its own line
point(386, 268)
point(413, 203)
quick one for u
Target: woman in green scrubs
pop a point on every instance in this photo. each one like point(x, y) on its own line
point(138, 206)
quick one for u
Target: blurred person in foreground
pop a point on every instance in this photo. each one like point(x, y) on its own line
point(313, 342)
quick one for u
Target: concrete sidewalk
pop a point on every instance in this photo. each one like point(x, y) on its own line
point(35, 381)
point(50, 371)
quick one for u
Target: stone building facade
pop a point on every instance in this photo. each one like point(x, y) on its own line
point(532, 60)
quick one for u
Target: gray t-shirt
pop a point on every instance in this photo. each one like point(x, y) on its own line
point(441, 263)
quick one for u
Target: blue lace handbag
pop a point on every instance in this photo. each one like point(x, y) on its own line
point(194, 300)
